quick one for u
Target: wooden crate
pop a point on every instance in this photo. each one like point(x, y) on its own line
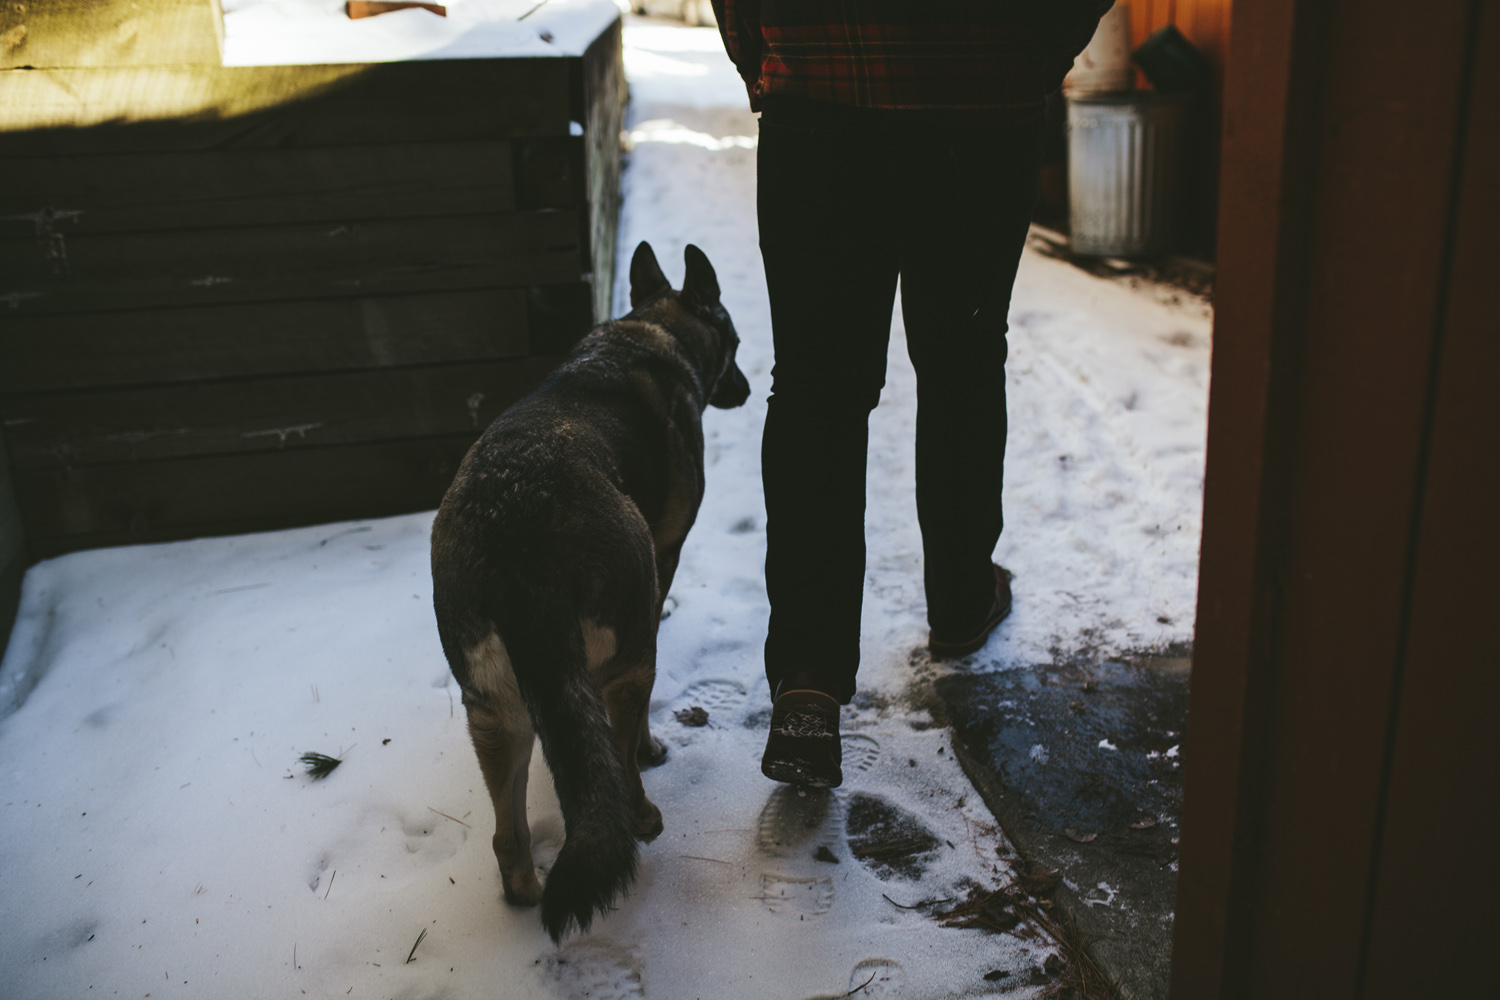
point(244, 298)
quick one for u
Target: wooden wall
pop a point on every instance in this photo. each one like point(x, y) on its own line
point(1340, 786)
point(244, 298)
point(1205, 23)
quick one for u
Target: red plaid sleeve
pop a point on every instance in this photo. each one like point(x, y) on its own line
point(739, 26)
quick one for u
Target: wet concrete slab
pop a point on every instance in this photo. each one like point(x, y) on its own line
point(1081, 764)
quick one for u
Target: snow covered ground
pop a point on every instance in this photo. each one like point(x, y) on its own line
point(157, 837)
point(293, 32)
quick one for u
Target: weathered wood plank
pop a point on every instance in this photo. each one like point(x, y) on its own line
point(137, 502)
point(557, 316)
point(155, 346)
point(205, 189)
point(272, 414)
point(87, 111)
point(261, 263)
point(550, 172)
point(600, 84)
point(50, 33)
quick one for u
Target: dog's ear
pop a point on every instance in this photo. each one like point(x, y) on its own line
point(646, 279)
point(701, 286)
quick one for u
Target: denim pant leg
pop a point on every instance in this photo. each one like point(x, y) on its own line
point(828, 245)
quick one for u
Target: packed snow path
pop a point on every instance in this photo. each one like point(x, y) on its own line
point(158, 838)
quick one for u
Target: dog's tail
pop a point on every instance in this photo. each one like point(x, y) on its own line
point(598, 857)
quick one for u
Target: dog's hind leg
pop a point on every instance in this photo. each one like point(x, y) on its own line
point(650, 751)
point(666, 568)
point(503, 740)
point(627, 698)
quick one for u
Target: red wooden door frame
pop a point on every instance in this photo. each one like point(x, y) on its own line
point(1349, 545)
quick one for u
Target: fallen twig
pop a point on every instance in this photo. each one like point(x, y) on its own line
point(453, 818)
point(914, 906)
point(1020, 909)
point(998, 911)
point(697, 858)
point(900, 849)
point(862, 985)
point(414, 947)
point(1081, 972)
point(330, 882)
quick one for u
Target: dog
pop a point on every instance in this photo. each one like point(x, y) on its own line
point(552, 553)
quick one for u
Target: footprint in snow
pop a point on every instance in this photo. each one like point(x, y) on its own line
point(795, 821)
point(878, 977)
point(860, 752)
point(595, 969)
point(797, 897)
point(719, 697)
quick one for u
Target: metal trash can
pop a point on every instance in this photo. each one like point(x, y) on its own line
point(1125, 174)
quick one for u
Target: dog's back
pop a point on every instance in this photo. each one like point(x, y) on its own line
point(532, 559)
point(547, 553)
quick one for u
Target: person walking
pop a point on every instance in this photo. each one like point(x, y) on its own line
point(898, 140)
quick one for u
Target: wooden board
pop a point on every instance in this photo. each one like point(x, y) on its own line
point(137, 502)
point(271, 414)
point(163, 346)
point(50, 33)
point(557, 316)
point(201, 189)
point(206, 189)
point(90, 111)
point(550, 172)
point(601, 96)
point(1435, 938)
point(267, 263)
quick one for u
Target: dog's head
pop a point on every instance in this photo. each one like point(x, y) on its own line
point(725, 383)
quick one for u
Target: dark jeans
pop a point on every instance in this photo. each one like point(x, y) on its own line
point(847, 204)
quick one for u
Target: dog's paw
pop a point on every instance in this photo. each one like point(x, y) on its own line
point(648, 825)
point(652, 752)
point(521, 888)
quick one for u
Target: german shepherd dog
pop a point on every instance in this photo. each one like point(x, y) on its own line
point(551, 555)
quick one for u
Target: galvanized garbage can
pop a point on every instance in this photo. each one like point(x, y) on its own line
point(1125, 172)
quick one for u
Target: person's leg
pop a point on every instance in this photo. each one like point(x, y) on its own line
point(831, 276)
point(968, 203)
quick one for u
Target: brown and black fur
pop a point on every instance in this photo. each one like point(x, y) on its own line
point(551, 555)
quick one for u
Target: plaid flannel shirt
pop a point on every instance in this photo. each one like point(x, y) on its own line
point(954, 54)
